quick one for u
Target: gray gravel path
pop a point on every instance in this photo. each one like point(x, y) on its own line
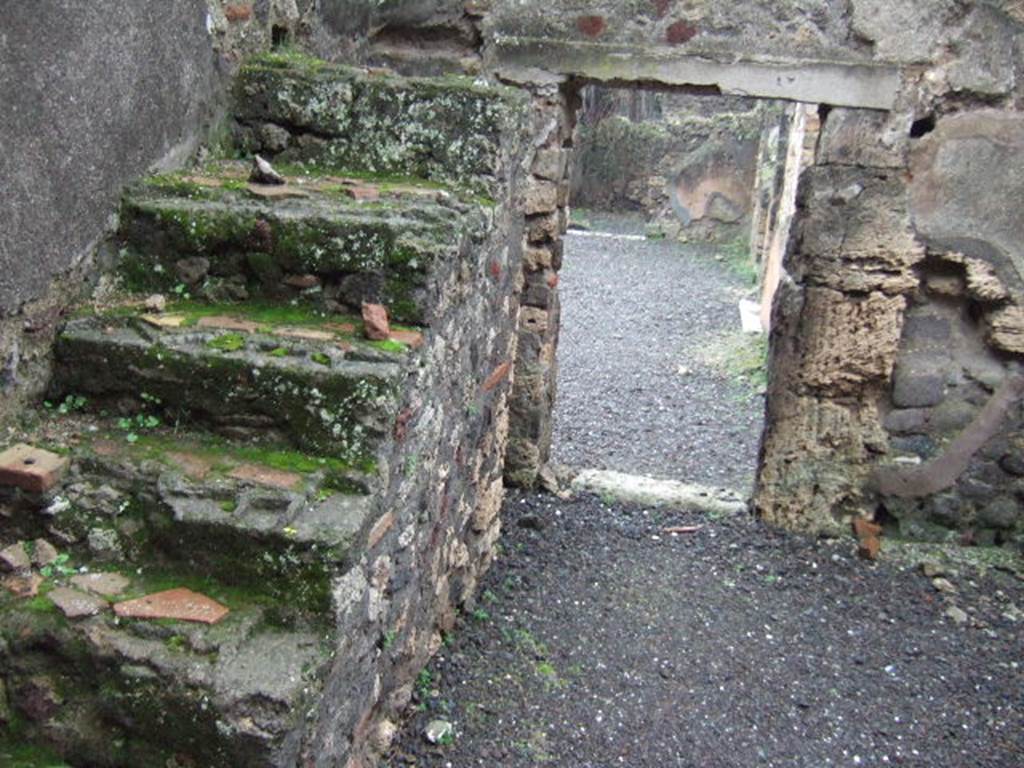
point(599, 642)
point(635, 312)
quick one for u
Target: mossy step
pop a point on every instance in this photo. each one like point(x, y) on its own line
point(117, 692)
point(262, 519)
point(312, 394)
point(211, 235)
point(450, 129)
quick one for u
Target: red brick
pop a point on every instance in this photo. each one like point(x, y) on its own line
point(31, 469)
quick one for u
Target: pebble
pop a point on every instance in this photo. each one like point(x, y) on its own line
point(944, 585)
point(958, 615)
point(437, 731)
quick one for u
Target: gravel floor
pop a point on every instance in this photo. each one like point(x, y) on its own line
point(601, 641)
point(634, 314)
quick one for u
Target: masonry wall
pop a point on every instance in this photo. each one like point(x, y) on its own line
point(689, 169)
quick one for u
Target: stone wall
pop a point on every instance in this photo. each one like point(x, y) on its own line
point(689, 168)
point(108, 91)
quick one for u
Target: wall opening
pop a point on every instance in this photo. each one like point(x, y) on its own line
point(680, 211)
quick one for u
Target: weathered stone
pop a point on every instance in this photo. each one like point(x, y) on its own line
point(191, 271)
point(1003, 513)
point(956, 614)
point(963, 174)
point(375, 322)
point(156, 303)
point(907, 421)
point(105, 544)
point(914, 388)
point(540, 197)
point(104, 584)
point(438, 731)
point(848, 342)
point(985, 64)
point(860, 137)
point(1006, 329)
point(15, 557)
point(263, 173)
point(550, 164)
point(75, 604)
point(43, 553)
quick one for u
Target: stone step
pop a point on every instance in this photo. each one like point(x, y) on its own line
point(343, 239)
point(275, 522)
point(84, 674)
point(452, 129)
point(316, 388)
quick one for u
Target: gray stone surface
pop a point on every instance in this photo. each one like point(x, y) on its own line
point(968, 181)
point(93, 95)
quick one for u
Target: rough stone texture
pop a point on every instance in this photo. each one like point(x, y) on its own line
point(149, 71)
point(334, 606)
point(448, 130)
point(967, 176)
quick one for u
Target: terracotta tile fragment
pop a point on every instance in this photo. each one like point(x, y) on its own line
point(276, 191)
point(31, 469)
point(497, 376)
point(869, 548)
point(26, 585)
point(411, 339)
point(43, 553)
point(275, 478)
point(194, 466)
point(180, 604)
point(75, 604)
point(864, 528)
point(225, 323)
point(363, 192)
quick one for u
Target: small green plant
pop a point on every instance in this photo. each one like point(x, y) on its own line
point(389, 639)
point(227, 342)
point(447, 739)
point(229, 505)
point(140, 422)
point(59, 567)
point(70, 404)
point(489, 597)
point(181, 291)
point(321, 358)
point(480, 614)
point(279, 352)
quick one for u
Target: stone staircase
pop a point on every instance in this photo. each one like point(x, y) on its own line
point(260, 508)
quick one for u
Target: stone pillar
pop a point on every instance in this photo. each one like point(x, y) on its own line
point(545, 206)
point(836, 326)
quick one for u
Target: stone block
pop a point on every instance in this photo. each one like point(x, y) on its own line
point(861, 137)
point(31, 469)
point(962, 175)
point(540, 197)
point(915, 387)
point(550, 164)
